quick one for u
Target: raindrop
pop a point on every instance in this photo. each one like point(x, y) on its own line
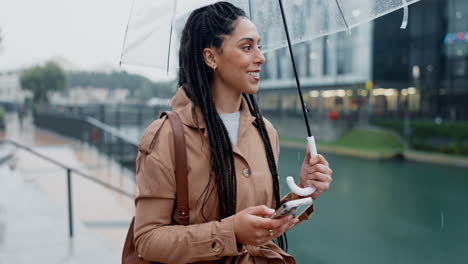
point(441, 220)
point(430, 68)
point(356, 12)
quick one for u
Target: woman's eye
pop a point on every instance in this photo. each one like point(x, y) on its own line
point(260, 47)
point(246, 48)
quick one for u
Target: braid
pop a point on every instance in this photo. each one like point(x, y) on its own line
point(204, 28)
point(253, 107)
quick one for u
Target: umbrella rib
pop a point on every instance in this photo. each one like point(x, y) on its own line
point(125, 36)
point(342, 15)
point(250, 10)
point(304, 111)
point(169, 50)
point(170, 37)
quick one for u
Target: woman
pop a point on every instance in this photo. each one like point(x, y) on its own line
point(232, 154)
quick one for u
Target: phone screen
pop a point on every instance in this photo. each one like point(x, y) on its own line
point(282, 211)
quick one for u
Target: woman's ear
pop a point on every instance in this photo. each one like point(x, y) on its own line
point(209, 55)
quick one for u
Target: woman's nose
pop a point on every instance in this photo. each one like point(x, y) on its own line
point(260, 59)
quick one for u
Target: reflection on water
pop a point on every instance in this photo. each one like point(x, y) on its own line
point(383, 212)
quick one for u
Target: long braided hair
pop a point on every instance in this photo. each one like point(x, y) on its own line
point(204, 28)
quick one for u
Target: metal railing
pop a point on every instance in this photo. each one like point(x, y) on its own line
point(69, 170)
point(115, 115)
point(107, 139)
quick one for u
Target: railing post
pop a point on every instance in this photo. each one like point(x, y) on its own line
point(102, 113)
point(140, 118)
point(70, 204)
point(117, 116)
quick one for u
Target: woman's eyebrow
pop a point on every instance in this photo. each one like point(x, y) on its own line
point(248, 39)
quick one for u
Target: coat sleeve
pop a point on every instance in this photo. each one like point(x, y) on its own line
point(156, 239)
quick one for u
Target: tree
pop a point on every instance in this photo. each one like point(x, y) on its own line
point(139, 86)
point(42, 79)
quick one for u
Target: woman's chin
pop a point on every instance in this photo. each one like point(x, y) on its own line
point(251, 89)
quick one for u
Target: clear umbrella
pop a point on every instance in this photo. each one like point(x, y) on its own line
point(153, 32)
point(154, 27)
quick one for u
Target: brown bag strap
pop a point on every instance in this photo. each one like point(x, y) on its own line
point(180, 166)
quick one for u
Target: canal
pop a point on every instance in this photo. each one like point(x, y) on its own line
point(383, 212)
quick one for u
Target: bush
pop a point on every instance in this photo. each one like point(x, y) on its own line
point(447, 137)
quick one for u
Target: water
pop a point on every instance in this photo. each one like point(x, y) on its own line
point(383, 212)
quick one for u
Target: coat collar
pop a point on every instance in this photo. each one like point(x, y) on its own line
point(183, 105)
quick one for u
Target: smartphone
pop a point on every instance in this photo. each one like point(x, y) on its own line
point(294, 207)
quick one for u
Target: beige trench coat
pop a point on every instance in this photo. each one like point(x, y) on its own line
point(157, 235)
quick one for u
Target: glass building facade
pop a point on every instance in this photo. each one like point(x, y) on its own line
point(423, 69)
point(455, 85)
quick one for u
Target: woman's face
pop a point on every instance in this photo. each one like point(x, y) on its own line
point(239, 60)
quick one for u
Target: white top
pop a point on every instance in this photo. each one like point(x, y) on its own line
point(231, 122)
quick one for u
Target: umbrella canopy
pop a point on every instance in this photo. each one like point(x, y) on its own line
point(154, 27)
point(154, 30)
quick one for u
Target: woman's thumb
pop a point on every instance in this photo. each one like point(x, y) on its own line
point(261, 210)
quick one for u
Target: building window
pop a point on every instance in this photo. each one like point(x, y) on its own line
point(344, 53)
point(460, 67)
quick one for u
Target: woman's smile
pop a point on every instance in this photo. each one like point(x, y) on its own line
point(255, 75)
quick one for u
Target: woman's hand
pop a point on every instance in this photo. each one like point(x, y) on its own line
point(253, 226)
point(316, 173)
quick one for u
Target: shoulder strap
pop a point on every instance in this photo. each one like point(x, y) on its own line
point(149, 138)
point(180, 166)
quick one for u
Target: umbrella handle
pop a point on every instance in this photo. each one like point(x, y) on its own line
point(290, 180)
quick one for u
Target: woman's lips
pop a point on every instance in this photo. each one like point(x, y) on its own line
point(255, 75)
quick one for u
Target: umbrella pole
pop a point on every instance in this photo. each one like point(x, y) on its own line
point(304, 110)
point(310, 139)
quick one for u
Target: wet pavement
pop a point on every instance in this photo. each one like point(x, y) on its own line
point(33, 201)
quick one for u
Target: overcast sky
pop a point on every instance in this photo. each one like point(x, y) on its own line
point(89, 33)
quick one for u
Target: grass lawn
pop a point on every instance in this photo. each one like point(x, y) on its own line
point(375, 143)
point(366, 140)
point(2, 119)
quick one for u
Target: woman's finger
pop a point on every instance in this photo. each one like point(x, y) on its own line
point(322, 160)
point(291, 224)
point(285, 227)
point(314, 160)
point(318, 176)
point(319, 159)
point(319, 168)
point(307, 156)
point(320, 186)
point(267, 223)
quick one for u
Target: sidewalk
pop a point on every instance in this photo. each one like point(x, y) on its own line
point(34, 228)
point(33, 203)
